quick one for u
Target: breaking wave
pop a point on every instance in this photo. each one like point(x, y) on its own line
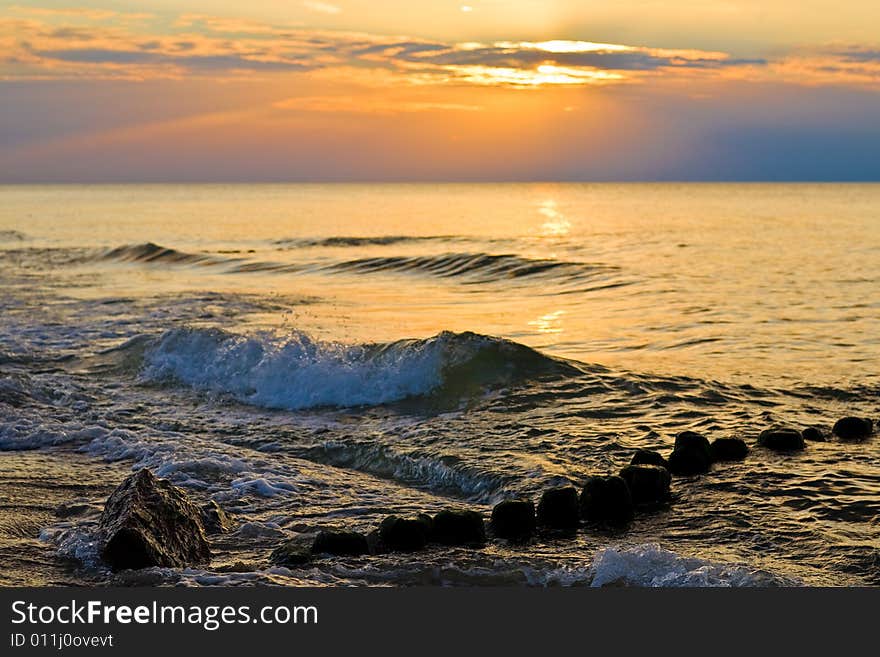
point(298, 372)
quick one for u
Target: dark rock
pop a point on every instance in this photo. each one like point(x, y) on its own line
point(214, 519)
point(648, 484)
point(813, 434)
point(428, 521)
point(404, 534)
point(558, 508)
point(340, 543)
point(375, 544)
point(649, 457)
point(150, 522)
point(728, 449)
point(853, 428)
point(691, 454)
point(781, 439)
point(514, 519)
point(691, 440)
point(606, 500)
point(452, 527)
point(295, 552)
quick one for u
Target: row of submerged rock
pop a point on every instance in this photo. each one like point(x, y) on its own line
point(605, 500)
point(786, 439)
point(150, 522)
point(645, 483)
point(450, 527)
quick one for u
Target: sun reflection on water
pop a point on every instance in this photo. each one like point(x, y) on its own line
point(556, 225)
point(549, 322)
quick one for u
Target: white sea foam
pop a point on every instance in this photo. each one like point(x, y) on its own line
point(185, 461)
point(297, 372)
point(76, 541)
point(256, 529)
point(263, 486)
point(649, 565)
point(29, 434)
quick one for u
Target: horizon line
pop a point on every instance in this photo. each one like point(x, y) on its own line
point(444, 181)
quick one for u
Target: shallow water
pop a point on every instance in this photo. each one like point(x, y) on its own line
point(314, 355)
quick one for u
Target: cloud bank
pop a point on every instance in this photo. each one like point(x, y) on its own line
point(96, 95)
point(92, 44)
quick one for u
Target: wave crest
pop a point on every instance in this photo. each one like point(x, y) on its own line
point(12, 236)
point(479, 267)
point(150, 252)
point(343, 241)
point(298, 372)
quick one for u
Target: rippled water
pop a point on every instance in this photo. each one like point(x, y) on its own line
point(314, 356)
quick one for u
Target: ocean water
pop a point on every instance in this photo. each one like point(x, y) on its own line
point(324, 355)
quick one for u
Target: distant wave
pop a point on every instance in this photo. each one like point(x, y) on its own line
point(298, 372)
point(12, 236)
point(466, 267)
point(342, 241)
point(150, 252)
point(479, 267)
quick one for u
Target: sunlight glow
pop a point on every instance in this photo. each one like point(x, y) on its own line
point(321, 7)
point(545, 74)
point(562, 46)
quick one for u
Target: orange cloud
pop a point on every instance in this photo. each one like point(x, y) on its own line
point(95, 44)
point(849, 65)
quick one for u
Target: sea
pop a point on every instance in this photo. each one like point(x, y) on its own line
point(316, 356)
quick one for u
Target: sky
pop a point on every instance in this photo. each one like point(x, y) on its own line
point(492, 90)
